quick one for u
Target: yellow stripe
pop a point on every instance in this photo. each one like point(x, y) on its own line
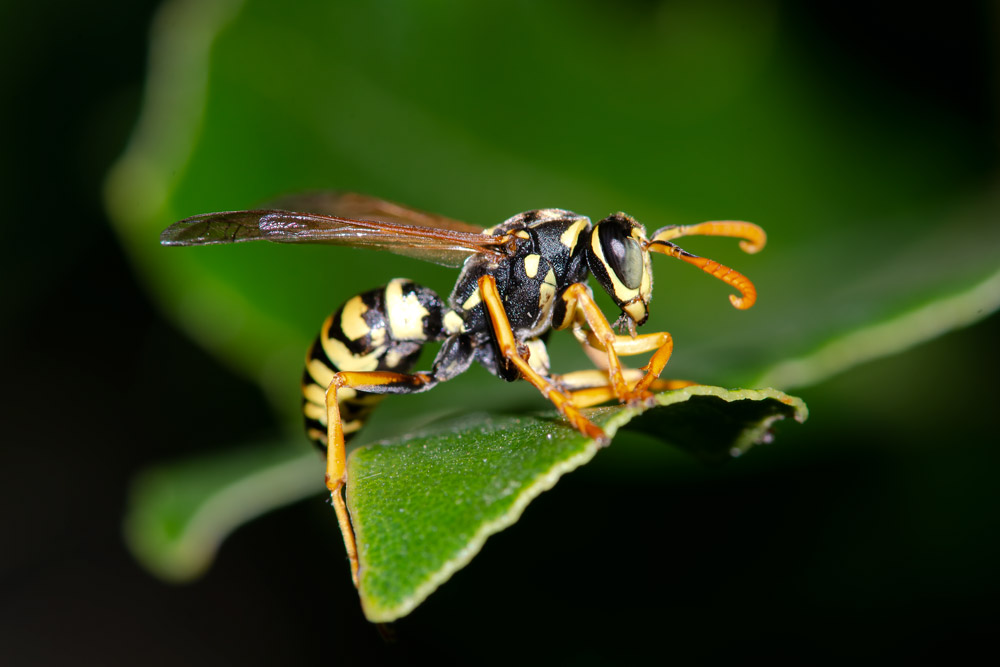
point(313, 411)
point(546, 293)
point(472, 301)
point(352, 321)
point(453, 323)
point(319, 372)
point(570, 237)
point(406, 314)
point(317, 394)
point(314, 394)
point(547, 290)
point(345, 360)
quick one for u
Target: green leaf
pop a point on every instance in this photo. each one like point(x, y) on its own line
point(180, 513)
point(882, 226)
point(423, 507)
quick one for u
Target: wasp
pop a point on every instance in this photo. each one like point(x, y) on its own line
point(519, 280)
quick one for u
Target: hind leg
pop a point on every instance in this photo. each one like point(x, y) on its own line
point(373, 382)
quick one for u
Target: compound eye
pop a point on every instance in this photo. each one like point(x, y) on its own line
point(621, 252)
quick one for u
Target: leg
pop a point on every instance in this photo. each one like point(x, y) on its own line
point(602, 337)
point(508, 349)
point(376, 382)
point(593, 387)
point(662, 344)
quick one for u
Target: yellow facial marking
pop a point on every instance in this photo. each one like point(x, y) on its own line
point(646, 286)
point(531, 265)
point(636, 310)
point(621, 292)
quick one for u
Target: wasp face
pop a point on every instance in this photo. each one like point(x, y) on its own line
point(619, 261)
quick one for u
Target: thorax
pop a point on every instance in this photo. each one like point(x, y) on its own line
point(548, 258)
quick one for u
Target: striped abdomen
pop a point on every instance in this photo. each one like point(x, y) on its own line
point(380, 330)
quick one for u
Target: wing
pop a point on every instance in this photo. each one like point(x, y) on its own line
point(362, 207)
point(426, 241)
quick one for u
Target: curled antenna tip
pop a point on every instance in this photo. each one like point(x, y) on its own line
point(742, 302)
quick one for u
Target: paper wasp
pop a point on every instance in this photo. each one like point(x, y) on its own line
point(519, 280)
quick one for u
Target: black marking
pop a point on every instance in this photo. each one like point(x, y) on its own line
point(317, 353)
point(358, 347)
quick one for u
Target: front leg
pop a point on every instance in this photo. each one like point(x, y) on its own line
point(592, 387)
point(601, 337)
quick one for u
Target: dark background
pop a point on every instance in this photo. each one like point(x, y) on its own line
point(868, 533)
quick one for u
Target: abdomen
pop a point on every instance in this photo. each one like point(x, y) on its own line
point(382, 329)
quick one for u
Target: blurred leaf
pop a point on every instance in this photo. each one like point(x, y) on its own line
point(676, 112)
point(423, 507)
point(180, 513)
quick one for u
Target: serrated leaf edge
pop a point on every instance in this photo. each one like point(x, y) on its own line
point(377, 613)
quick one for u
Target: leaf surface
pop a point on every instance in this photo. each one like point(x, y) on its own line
point(422, 507)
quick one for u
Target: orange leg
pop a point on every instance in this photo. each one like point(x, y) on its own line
point(592, 387)
point(507, 344)
point(602, 337)
point(336, 460)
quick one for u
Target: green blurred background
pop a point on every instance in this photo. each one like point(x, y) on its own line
point(846, 127)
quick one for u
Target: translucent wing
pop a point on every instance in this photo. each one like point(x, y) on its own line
point(363, 207)
point(393, 228)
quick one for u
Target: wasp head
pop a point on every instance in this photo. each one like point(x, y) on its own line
point(618, 259)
